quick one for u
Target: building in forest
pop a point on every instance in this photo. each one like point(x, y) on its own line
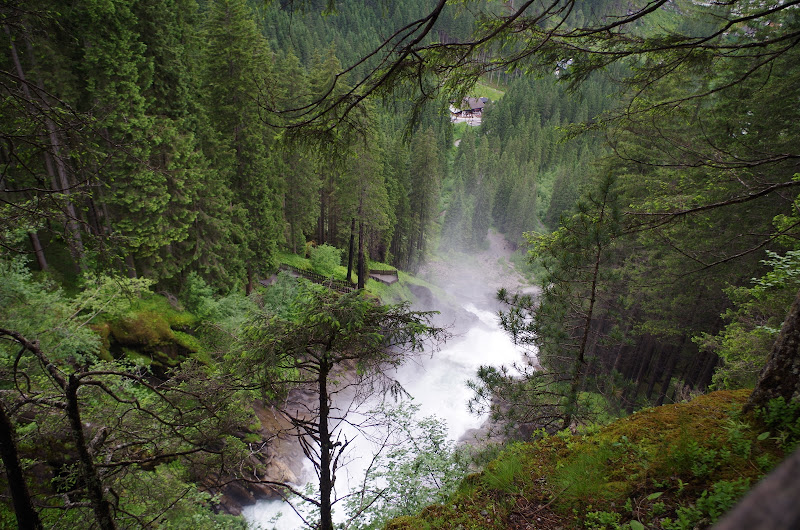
point(470, 108)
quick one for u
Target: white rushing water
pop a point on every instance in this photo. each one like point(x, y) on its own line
point(438, 384)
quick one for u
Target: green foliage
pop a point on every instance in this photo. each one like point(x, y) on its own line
point(753, 322)
point(227, 311)
point(420, 467)
point(325, 259)
point(783, 419)
point(709, 507)
point(41, 311)
point(111, 296)
point(688, 456)
point(672, 465)
point(190, 509)
point(277, 298)
point(585, 476)
point(602, 520)
point(503, 474)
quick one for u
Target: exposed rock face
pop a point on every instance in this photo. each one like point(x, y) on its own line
point(277, 455)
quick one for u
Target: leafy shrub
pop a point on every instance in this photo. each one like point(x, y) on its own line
point(277, 298)
point(688, 456)
point(198, 296)
point(602, 520)
point(783, 419)
point(201, 300)
point(709, 507)
point(418, 467)
point(325, 259)
point(738, 437)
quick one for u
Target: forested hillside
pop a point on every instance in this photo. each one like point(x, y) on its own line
point(169, 166)
point(152, 130)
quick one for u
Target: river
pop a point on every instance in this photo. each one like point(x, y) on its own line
point(437, 381)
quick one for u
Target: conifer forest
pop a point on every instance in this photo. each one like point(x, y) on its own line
point(228, 228)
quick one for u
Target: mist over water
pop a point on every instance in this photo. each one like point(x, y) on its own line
point(436, 380)
point(438, 383)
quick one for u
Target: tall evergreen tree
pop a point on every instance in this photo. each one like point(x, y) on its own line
point(237, 67)
point(425, 186)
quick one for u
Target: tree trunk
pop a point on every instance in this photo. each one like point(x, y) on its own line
point(654, 373)
point(321, 220)
point(27, 518)
point(94, 486)
point(643, 362)
point(292, 236)
point(38, 250)
point(58, 174)
point(130, 266)
point(708, 370)
point(350, 250)
point(362, 269)
point(325, 449)
point(672, 360)
point(780, 377)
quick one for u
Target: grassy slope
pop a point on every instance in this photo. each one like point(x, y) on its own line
point(485, 89)
point(389, 294)
point(645, 471)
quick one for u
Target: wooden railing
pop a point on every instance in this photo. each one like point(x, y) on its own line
point(388, 272)
point(382, 275)
point(336, 285)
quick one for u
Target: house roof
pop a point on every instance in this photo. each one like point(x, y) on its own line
point(475, 103)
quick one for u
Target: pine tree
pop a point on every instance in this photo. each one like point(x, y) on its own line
point(425, 181)
point(237, 68)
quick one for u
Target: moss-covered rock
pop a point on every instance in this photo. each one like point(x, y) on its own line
point(154, 334)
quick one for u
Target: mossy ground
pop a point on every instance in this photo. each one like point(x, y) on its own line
point(642, 471)
point(153, 332)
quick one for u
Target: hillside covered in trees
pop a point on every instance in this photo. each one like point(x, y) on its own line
point(161, 159)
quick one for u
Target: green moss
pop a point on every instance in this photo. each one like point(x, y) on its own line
point(137, 357)
point(661, 460)
point(144, 328)
point(190, 342)
point(153, 332)
point(103, 330)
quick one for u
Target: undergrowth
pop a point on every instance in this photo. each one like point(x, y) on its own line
point(674, 467)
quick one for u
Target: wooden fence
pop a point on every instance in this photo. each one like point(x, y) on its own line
point(336, 285)
point(384, 276)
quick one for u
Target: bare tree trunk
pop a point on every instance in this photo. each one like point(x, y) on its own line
point(130, 265)
point(350, 250)
point(69, 385)
point(321, 220)
point(94, 486)
point(780, 377)
point(655, 372)
point(671, 362)
point(325, 449)
point(38, 250)
point(292, 235)
point(27, 518)
point(362, 269)
point(58, 174)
